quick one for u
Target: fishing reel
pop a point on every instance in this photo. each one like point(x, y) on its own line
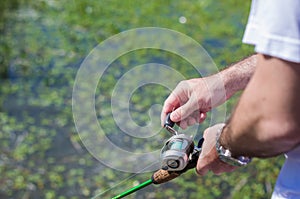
point(176, 152)
point(179, 150)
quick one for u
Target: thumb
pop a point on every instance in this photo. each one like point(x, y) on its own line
point(183, 111)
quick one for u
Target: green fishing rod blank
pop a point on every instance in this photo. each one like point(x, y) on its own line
point(159, 177)
point(134, 189)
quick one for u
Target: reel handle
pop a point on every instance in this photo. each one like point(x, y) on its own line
point(168, 121)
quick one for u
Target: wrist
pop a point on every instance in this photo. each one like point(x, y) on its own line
point(225, 154)
point(217, 89)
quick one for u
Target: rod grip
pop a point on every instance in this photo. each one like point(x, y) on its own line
point(162, 176)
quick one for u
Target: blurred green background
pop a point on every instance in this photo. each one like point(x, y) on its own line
point(42, 45)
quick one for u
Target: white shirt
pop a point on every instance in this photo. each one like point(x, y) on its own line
point(274, 28)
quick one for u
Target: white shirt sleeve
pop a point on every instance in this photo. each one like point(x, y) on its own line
point(274, 28)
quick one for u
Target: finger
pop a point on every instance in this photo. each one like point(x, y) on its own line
point(183, 111)
point(183, 124)
point(202, 169)
point(220, 167)
point(202, 172)
point(191, 121)
point(166, 109)
point(171, 103)
point(220, 170)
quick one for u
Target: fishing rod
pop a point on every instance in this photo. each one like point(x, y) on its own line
point(178, 155)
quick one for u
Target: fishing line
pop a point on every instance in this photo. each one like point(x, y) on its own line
point(124, 180)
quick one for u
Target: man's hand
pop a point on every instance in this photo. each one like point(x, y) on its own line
point(191, 99)
point(209, 159)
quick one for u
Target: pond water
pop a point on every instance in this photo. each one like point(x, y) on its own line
point(42, 46)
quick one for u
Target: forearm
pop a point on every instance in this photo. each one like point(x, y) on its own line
point(267, 117)
point(230, 80)
point(237, 76)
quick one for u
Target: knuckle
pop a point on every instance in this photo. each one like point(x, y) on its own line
point(201, 171)
point(201, 167)
point(182, 83)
